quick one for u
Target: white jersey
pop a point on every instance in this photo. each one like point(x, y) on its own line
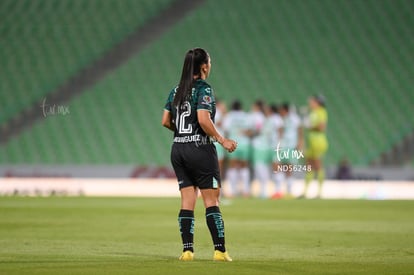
point(218, 120)
point(268, 136)
point(235, 124)
point(291, 124)
point(257, 122)
point(275, 123)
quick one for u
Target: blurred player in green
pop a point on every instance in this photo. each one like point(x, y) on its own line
point(259, 144)
point(263, 147)
point(291, 140)
point(236, 125)
point(317, 143)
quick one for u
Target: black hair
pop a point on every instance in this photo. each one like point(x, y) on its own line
point(260, 104)
point(285, 106)
point(193, 60)
point(320, 99)
point(236, 105)
point(274, 108)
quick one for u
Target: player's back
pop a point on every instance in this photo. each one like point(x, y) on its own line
point(187, 128)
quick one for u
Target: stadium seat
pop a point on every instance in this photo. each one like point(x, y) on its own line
point(44, 43)
point(359, 54)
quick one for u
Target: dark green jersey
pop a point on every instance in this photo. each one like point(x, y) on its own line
point(187, 128)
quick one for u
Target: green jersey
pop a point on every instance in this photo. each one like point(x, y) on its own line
point(187, 128)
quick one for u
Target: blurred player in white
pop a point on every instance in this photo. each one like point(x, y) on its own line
point(221, 111)
point(291, 140)
point(236, 125)
point(263, 146)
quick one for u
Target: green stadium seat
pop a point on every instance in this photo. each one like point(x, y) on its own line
point(359, 54)
point(46, 42)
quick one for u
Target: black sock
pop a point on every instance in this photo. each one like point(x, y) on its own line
point(216, 226)
point(186, 223)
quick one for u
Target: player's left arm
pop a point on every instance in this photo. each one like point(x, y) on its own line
point(210, 129)
point(280, 126)
point(301, 140)
point(320, 127)
point(205, 103)
point(167, 121)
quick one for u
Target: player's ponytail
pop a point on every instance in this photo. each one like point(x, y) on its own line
point(192, 65)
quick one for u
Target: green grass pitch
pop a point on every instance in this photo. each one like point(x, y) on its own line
point(140, 236)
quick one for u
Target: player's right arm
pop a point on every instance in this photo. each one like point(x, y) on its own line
point(167, 120)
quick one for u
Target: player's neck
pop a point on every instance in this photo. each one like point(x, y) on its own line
point(202, 76)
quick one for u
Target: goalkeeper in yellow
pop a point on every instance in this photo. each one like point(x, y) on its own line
point(317, 143)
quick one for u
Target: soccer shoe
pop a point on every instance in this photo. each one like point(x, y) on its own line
point(222, 256)
point(187, 256)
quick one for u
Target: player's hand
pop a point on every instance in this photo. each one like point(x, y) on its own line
point(229, 144)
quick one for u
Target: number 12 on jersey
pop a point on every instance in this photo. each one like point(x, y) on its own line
point(180, 121)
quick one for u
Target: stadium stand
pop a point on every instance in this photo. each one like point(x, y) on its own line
point(359, 54)
point(46, 42)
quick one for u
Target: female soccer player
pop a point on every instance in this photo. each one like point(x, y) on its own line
point(189, 113)
point(260, 144)
point(317, 143)
point(291, 140)
point(236, 124)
